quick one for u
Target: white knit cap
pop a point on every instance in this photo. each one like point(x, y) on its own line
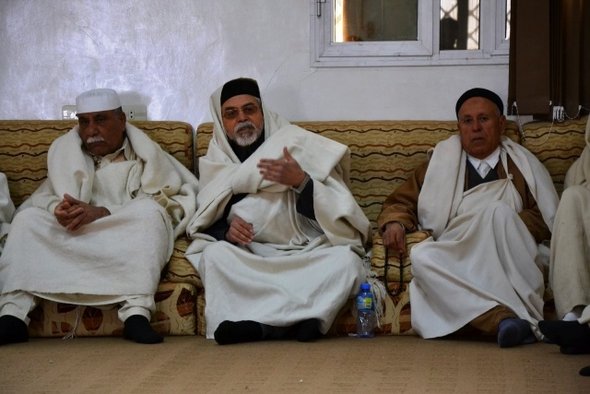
point(97, 100)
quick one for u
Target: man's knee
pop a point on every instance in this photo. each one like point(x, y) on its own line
point(147, 210)
point(26, 216)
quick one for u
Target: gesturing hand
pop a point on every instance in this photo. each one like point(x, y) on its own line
point(285, 171)
point(73, 213)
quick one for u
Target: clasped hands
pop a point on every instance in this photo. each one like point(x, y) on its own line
point(73, 213)
point(285, 171)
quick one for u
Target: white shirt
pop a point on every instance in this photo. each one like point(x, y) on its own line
point(483, 166)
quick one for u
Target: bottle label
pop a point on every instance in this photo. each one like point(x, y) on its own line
point(364, 302)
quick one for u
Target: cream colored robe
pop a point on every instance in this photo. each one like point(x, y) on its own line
point(151, 197)
point(6, 209)
point(481, 253)
point(569, 273)
point(296, 268)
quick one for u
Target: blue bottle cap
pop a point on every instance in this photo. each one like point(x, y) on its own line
point(365, 286)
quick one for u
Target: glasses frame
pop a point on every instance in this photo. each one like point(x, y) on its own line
point(248, 109)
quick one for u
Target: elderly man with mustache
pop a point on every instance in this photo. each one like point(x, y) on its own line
point(101, 227)
point(278, 237)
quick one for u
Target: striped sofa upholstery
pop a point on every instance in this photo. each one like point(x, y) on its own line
point(383, 154)
point(556, 145)
point(23, 158)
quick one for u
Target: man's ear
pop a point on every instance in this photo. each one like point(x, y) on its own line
point(502, 121)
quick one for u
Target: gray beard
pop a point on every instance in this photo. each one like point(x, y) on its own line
point(246, 133)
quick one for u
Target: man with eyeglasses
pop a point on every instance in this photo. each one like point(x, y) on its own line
point(488, 203)
point(278, 237)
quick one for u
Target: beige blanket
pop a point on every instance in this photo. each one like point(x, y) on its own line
point(154, 173)
point(327, 163)
point(444, 183)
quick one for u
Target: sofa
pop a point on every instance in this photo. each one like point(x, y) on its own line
point(23, 158)
point(383, 154)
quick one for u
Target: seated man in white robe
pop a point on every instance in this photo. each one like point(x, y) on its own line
point(278, 237)
point(6, 210)
point(101, 227)
point(479, 268)
point(569, 270)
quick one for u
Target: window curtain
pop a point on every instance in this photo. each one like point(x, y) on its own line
point(549, 71)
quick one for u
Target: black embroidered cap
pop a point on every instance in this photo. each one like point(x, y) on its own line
point(479, 92)
point(239, 86)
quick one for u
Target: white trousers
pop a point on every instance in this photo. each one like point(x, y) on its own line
point(20, 303)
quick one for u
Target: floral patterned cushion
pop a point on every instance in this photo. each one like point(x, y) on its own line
point(175, 315)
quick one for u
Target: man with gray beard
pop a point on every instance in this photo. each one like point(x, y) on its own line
point(278, 238)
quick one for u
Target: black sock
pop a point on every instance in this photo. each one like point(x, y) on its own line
point(308, 330)
point(585, 371)
point(138, 329)
point(276, 333)
point(229, 332)
point(514, 332)
point(12, 330)
point(571, 349)
point(566, 333)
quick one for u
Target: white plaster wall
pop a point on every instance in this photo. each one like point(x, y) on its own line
point(171, 54)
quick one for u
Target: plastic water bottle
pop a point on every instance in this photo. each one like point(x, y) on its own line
point(365, 308)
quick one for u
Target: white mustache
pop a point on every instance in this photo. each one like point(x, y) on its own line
point(92, 140)
point(244, 125)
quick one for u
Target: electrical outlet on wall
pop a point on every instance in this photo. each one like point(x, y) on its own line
point(133, 112)
point(68, 112)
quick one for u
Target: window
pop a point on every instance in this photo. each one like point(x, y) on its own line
point(409, 32)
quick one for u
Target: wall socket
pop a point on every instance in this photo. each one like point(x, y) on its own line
point(133, 112)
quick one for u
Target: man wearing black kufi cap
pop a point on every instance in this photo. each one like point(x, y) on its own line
point(278, 238)
point(488, 203)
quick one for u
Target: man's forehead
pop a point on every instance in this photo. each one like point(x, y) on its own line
point(480, 104)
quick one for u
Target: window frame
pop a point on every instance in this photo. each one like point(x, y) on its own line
point(494, 48)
